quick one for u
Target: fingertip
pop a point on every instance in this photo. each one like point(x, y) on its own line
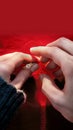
point(32, 49)
point(34, 67)
point(42, 76)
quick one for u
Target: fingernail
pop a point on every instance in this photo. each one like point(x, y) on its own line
point(34, 67)
point(33, 49)
point(43, 59)
point(58, 73)
point(51, 66)
point(43, 76)
point(27, 56)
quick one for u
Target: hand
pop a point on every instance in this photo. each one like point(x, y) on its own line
point(61, 53)
point(10, 62)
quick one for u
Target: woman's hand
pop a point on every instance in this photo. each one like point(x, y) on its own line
point(10, 62)
point(59, 53)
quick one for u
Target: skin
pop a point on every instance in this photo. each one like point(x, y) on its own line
point(10, 62)
point(60, 54)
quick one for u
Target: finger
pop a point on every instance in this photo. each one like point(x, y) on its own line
point(58, 73)
point(24, 74)
point(18, 59)
point(64, 44)
point(51, 91)
point(44, 59)
point(6, 56)
point(51, 65)
point(56, 54)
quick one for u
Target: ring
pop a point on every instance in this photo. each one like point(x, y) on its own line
point(28, 66)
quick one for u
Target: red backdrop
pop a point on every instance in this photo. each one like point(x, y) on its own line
point(36, 16)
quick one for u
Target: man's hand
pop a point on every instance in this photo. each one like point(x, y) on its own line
point(58, 54)
point(10, 62)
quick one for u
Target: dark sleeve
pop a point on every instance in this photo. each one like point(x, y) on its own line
point(10, 100)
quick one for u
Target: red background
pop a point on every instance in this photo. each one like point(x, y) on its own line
point(36, 16)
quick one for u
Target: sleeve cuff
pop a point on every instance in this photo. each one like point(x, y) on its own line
point(10, 100)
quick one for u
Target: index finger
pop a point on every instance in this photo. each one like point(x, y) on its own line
point(6, 56)
point(59, 56)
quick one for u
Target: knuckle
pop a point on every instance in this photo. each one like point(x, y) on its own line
point(54, 50)
point(62, 39)
point(19, 54)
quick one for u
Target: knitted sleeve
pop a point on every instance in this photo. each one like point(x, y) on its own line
point(10, 100)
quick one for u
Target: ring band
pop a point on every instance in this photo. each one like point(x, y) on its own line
point(28, 66)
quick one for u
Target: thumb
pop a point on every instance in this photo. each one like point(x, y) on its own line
point(52, 92)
